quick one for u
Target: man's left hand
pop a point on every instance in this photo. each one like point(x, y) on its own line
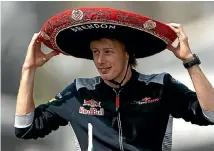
point(182, 51)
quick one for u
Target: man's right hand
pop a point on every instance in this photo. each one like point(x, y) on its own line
point(35, 57)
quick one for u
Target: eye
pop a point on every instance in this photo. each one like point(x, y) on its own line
point(95, 51)
point(108, 51)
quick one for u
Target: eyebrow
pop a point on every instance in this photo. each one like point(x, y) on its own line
point(103, 48)
point(108, 48)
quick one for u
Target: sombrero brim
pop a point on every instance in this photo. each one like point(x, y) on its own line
point(71, 32)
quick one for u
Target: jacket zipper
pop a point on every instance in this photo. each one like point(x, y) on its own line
point(118, 119)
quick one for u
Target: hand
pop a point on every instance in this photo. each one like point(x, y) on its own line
point(35, 57)
point(182, 51)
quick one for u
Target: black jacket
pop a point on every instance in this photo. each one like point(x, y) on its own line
point(143, 121)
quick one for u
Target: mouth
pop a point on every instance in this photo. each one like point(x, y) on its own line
point(104, 70)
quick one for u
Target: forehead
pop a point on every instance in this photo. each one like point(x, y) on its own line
point(103, 42)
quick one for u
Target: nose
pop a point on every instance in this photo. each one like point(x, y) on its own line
point(101, 58)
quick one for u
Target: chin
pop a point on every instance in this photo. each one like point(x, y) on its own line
point(106, 76)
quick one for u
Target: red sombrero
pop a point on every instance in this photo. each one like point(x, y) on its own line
point(71, 31)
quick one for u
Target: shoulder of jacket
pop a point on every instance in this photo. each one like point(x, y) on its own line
point(88, 83)
point(152, 78)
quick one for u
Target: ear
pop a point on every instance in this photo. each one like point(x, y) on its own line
point(126, 55)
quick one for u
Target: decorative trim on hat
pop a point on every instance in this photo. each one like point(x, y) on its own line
point(78, 17)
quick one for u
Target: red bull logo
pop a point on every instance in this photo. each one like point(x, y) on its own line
point(92, 103)
point(92, 110)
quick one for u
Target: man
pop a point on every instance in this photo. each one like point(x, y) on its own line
point(121, 109)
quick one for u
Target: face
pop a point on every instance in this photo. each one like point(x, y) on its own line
point(110, 59)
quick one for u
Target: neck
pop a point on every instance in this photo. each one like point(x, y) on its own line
point(127, 78)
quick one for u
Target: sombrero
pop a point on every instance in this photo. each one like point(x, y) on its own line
point(70, 32)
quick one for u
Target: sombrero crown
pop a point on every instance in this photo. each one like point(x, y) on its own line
point(71, 31)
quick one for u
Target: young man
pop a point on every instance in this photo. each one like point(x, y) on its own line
point(122, 109)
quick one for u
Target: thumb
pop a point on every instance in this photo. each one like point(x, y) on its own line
point(52, 54)
point(171, 48)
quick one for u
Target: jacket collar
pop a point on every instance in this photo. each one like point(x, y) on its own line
point(132, 81)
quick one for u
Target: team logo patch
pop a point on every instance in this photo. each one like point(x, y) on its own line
point(91, 107)
point(146, 100)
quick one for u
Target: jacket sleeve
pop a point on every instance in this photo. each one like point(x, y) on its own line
point(46, 117)
point(183, 103)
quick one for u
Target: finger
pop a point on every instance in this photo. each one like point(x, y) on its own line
point(51, 54)
point(35, 39)
point(179, 27)
point(35, 45)
point(174, 24)
point(171, 48)
point(181, 31)
point(38, 45)
point(45, 59)
point(30, 47)
point(176, 30)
